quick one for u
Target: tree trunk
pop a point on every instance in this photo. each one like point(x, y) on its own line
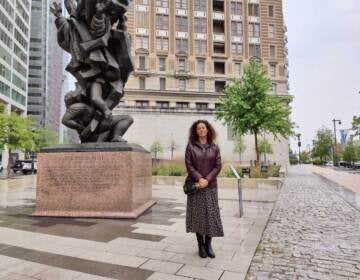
point(9, 164)
point(257, 149)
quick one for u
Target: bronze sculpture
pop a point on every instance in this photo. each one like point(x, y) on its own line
point(95, 36)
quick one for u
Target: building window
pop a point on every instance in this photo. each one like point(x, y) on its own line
point(201, 106)
point(254, 50)
point(271, 11)
point(273, 70)
point(236, 28)
point(162, 3)
point(162, 63)
point(143, 2)
point(162, 44)
point(181, 4)
point(236, 8)
point(182, 105)
point(181, 45)
point(163, 104)
point(142, 83)
point(272, 52)
point(200, 25)
point(237, 69)
point(253, 10)
point(219, 86)
point(271, 31)
point(142, 103)
point(181, 64)
point(181, 23)
point(237, 48)
point(182, 84)
point(201, 85)
point(162, 84)
point(274, 88)
point(200, 46)
point(142, 42)
point(162, 22)
point(142, 19)
point(142, 63)
point(200, 5)
point(218, 6)
point(200, 66)
point(254, 30)
point(219, 67)
point(219, 47)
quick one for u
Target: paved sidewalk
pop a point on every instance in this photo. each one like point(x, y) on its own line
point(348, 180)
point(153, 247)
point(313, 233)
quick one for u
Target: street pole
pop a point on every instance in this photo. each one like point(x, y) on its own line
point(335, 141)
point(299, 144)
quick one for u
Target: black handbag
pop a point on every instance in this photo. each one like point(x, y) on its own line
point(190, 188)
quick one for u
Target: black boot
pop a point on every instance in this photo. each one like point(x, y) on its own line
point(200, 240)
point(208, 249)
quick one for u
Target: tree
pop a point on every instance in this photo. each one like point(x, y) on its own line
point(304, 157)
point(239, 145)
point(248, 109)
point(44, 137)
point(156, 148)
point(322, 144)
point(356, 125)
point(16, 133)
point(172, 148)
point(265, 147)
point(350, 154)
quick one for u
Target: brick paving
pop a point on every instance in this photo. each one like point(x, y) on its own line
point(153, 247)
point(313, 233)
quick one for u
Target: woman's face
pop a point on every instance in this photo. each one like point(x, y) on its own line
point(201, 130)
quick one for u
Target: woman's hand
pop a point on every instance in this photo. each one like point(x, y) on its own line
point(203, 183)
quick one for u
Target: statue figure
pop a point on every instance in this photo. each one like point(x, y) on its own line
point(95, 36)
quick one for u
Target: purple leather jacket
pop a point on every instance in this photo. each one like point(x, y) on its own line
point(203, 161)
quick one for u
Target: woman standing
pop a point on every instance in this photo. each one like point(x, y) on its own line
point(203, 164)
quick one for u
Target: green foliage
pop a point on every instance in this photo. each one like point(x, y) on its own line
point(304, 157)
point(248, 109)
point(44, 137)
point(227, 172)
point(169, 170)
point(265, 147)
point(156, 148)
point(356, 125)
point(239, 145)
point(273, 171)
point(322, 144)
point(16, 132)
point(351, 152)
point(319, 162)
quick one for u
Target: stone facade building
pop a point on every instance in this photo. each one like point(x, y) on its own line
point(184, 52)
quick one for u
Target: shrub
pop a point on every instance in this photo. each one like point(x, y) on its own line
point(273, 171)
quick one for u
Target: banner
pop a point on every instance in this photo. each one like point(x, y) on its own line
point(343, 136)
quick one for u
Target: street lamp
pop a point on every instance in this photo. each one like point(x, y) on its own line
point(299, 144)
point(334, 147)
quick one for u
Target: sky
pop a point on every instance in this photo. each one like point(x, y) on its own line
point(324, 59)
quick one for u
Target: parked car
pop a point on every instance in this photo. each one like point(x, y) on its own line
point(17, 166)
point(27, 167)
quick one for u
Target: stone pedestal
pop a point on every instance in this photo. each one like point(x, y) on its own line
point(105, 180)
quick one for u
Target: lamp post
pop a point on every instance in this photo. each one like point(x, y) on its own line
point(334, 147)
point(299, 144)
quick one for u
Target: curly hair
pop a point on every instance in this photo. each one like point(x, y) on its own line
point(211, 134)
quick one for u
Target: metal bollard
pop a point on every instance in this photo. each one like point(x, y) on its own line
point(241, 209)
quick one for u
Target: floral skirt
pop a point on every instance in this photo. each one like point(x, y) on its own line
point(203, 213)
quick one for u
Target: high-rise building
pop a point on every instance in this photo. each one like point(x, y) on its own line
point(185, 51)
point(14, 54)
point(45, 67)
